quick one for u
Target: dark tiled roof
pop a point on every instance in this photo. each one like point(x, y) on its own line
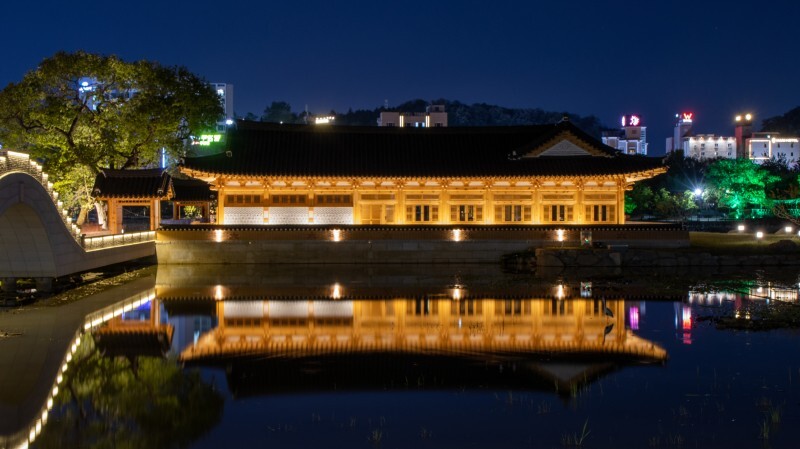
point(262, 149)
point(152, 183)
point(191, 190)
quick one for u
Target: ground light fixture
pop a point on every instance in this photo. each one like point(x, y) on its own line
point(788, 229)
point(740, 228)
point(759, 235)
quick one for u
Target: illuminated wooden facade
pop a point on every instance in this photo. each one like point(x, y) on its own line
point(294, 174)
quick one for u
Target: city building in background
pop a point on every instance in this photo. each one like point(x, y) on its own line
point(225, 92)
point(434, 116)
point(709, 146)
point(631, 138)
point(683, 129)
point(763, 146)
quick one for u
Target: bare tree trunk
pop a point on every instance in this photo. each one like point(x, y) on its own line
point(84, 212)
point(101, 214)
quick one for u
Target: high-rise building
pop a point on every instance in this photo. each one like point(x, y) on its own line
point(683, 128)
point(225, 92)
point(631, 138)
point(743, 129)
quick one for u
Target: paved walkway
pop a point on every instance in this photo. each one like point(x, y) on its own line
point(32, 353)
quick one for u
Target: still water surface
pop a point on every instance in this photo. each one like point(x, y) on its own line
point(397, 357)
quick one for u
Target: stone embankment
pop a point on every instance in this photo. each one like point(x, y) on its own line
point(638, 257)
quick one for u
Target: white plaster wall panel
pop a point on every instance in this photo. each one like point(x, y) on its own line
point(244, 215)
point(243, 309)
point(333, 215)
point(288, 309)
point(286, 215)
point(328, 309)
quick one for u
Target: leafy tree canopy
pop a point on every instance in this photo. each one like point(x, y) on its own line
point(739, 183)
point(93, 111)
point(788, 123)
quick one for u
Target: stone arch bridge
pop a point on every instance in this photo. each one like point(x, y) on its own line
point(38, 239)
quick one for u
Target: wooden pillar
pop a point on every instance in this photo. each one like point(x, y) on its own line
point(488, 200)
point(444, 199)
point(221, 205)
point(400, 207)
point(580, 212)
point(620, 202)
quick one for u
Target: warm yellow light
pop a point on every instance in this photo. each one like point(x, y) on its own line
point(748, 117)
point(560, 291)
point(218, 235)
point(218, 293)
point(336, 291)
point(336, 235)
point(560, 235)
point(456, 235)
point(456, 294)
point(738, 118)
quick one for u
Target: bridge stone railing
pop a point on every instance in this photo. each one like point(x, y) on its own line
point(108, 241)
point(11, 161)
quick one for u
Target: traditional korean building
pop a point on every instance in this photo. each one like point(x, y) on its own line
point(143, 191)
point(297, 174)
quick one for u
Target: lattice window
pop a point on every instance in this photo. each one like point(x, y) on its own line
point(422, 214)
point(556, 213)
point(466, 213)
point(512, 214)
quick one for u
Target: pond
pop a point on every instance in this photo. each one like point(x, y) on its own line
point(434, 356)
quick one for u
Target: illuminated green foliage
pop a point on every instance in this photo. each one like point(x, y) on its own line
point(739, 184)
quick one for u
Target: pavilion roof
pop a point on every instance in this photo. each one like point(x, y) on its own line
point(268, 149)
point(148, 183)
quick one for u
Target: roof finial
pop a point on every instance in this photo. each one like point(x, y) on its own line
point(564, 118)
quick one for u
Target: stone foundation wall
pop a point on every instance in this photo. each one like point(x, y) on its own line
point(387, 244)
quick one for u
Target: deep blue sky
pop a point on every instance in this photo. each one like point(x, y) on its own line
point(651, 57)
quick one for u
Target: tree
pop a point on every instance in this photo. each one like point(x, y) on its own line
point(279, 112)
point(639, 200)
point(738, 184)
point(93, 112)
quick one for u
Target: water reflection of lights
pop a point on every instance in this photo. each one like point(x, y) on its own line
point(92, 321)
point(560, 291)
point(633, 317)
point(711, 297)
point(218, 293)
point(683, 323)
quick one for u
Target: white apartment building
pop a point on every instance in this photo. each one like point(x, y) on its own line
point(764, 146)
point(709, 146)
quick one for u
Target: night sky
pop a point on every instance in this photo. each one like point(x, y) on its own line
point(654, 58)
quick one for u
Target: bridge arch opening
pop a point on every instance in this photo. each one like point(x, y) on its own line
point(25, 248)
